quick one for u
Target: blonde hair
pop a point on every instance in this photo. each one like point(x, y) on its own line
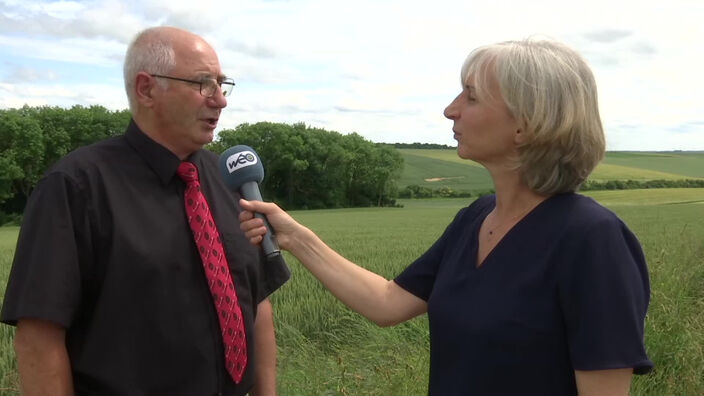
point(551, 91)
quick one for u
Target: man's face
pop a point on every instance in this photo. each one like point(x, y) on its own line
point(186, 120)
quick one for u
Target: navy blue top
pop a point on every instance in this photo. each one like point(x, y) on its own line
point(565, 289)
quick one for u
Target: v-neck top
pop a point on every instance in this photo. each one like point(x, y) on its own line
point(565, 289)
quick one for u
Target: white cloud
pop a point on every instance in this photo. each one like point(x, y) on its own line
point(109, 96)
point(385, 69)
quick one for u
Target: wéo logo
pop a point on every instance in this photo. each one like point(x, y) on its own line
point(240, 160)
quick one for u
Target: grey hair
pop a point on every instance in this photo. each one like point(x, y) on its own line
point(150, 51)
point(551, 91)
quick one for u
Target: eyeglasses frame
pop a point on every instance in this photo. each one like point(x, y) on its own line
point(219, 83)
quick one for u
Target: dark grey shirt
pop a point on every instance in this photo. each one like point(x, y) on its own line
point(105, 250)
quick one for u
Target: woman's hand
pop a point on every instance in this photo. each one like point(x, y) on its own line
point(381, 301)
point(284, 226)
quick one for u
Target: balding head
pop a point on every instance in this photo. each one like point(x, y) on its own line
point(155, 51)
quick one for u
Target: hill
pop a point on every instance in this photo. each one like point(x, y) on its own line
point(437, 168)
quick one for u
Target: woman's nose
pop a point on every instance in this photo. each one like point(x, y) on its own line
point(451, 110)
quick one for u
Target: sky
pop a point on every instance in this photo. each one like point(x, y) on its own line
point(384, 69)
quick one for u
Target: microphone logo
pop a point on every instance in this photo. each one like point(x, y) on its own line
point(240, 160)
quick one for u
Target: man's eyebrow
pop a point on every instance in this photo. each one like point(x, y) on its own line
point(210, 75)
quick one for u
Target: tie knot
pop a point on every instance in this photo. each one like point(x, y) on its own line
point(187, 172)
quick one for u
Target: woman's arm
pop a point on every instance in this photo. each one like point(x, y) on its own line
point(378, 299)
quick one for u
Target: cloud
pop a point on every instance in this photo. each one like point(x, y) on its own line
point(256, 50)
point(385, 69)
point(53, 20)
point(688, 127)
point(608, 35)
point(22, 74)
point(109, 96)
point(643, 48)
point(67, 50)
point(379, 111)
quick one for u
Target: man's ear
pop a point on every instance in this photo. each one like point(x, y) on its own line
point(144, 87)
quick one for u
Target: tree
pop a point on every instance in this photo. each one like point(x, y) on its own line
point(34, 138)
point(22, 149)
point(313, 168)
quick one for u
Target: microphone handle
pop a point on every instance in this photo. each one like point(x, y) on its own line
point(250, 191)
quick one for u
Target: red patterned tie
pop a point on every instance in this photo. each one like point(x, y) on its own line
point(220, 282)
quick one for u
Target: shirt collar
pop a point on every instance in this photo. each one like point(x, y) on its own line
point(162, 161)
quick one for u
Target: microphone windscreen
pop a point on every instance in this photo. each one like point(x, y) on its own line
point(240, 164)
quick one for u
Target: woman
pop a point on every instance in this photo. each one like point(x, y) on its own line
point(534, 290)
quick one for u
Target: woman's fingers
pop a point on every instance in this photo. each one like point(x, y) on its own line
point(245, 215)
point(254, 227)
point(254, 206)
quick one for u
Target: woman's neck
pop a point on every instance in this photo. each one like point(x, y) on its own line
point(513, 196)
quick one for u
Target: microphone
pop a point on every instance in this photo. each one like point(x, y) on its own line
point(243, 171)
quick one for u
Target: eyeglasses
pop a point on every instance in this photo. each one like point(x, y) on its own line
point(207, 85)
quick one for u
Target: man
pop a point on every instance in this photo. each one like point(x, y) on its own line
point(108, 289)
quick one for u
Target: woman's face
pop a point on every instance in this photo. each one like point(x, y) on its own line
point(484, 128)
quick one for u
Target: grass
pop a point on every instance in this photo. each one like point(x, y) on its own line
point(686, 163)
point(8, 365)
point(458, 174)
point(325, 349)
point(605, 171)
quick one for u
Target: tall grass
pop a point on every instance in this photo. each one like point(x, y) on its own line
point(325, 349)
point(8, 365)
point(672, 236)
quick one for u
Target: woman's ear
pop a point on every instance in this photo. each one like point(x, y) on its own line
point(519, 137)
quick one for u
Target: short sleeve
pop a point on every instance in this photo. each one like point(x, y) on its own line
point(44, 282)
point(275, 273)
point(419, 277)
point(604, 294)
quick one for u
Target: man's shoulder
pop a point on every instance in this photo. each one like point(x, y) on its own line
point(209, 156)
point(208, 163)
point(104, 151)
point(84, 163)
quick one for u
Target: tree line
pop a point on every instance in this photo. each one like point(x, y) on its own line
point(425, 146)
point(641, 184)
point(305, 167)
point(33, 138)
point(312, 168)
point(416, 191)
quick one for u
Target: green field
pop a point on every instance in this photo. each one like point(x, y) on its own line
point(685, 163)
point(443, 168)
point(325, 349)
